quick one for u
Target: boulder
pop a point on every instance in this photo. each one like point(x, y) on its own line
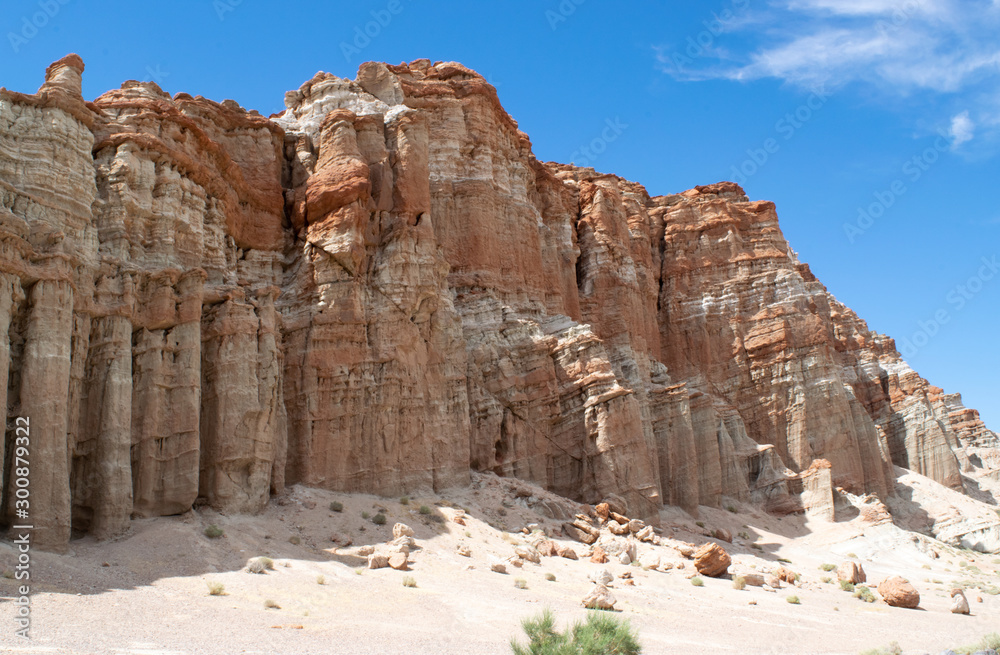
point(617, 504)
point(723, 535)
point(635, 525)
point(401, 530)
point(753, 579)
point(602, 577)
point(567, 552)
point(528, 553)
point(959, 604)
point(898, 592)
point(377, 561)
point(547, 548)
point(712, 560)
point(617, 528)
point(851, 572)
point(599, 556)
point(464, 551)
point(497, 565)
point(646, 534)
point(365, 551)
point(599, 598)
point(581, 531)
point(649, 560)
point(625, 558)
point(786, 575)
point(398, 561)
point(621, 518)
point(772, 581)
point(603, 511)
point(686, 550)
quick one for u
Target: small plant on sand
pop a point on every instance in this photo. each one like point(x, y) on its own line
point(826, 579)
point(846, 585)
point(409, 581)
point(700, 524)
point(520, 583)
point(7, 573)
point(744, 535)
point(756, 546)
point(336, 506)
point(697, 582)
point(926, 566)
point(468, 534)
point(213, 531)
point(405, 500)
point(600, 634)
point(793, 600)
point(359, 571)
point(865, 594)
point(260, 565)
point(295, 540)
point(320, 579)
point(731, 508)
point(739, 582)
point(784, 560)
point(425, 510)
point(891, 649)
point(365, 515)
point(271, 605)
point(379, 519)
point(216, 589)
point(551, 577)
point(852, 555)
point(827, 567)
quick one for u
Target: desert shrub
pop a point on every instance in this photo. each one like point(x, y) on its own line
point(271, 605)
point(409, 581)
point(794, 600)
point(865, 594)
point(739, 582)
point(216, 588)
point(336, 506)
point(379, 519)
point(784, 560)
point(520, 583)
point(827, 567)
point(846, 585)
point(756, 546)
point(744, 535)
point(700, 524)
point(731, 508)
point(260, 565)
point(600, 634)
point(425, 510)
point(551, 577)
point(365, 515)
point(405, 500)
point(213, 531)
point(320, 579)
point(826, 579)
point(891, 649)
point(852, 555)
point(295, 540)
point(697, 582)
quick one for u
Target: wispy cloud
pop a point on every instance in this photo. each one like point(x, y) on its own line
point(962, 129)
point(894, 47)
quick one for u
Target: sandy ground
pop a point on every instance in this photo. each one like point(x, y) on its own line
point(148, 592)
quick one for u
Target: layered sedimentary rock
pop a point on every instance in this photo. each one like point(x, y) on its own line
point(381, 289)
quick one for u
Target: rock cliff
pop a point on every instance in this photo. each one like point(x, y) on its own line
point(381, 289)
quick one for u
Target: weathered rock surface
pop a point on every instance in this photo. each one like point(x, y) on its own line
point(712, 560)
point(898, 592)
point(851, 572)
point(381, 289)
point(959, 603)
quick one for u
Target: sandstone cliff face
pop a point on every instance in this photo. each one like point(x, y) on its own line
point(381, 289)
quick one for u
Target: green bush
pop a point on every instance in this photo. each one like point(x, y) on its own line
point(336, 506)
point(731, 508)
point(865, 594)
point(827, 567)
point(700, 524)
point(794, 600)
point(846, 585)
point(739, 582)
point(365, 515)
point(213, 531)
point(697, 582)
point(405, 500)
point(379, 519)
point(520, 583)
point(551, 577)
point(216, 589)
point(600, 634)
point(424, 509)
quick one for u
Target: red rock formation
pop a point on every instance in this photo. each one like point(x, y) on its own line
point(381, 288)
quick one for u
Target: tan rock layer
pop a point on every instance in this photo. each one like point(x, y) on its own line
point(381, 288)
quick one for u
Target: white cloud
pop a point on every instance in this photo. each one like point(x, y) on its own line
point(962, 129)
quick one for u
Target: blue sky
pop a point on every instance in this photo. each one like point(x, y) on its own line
point(873, 124)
